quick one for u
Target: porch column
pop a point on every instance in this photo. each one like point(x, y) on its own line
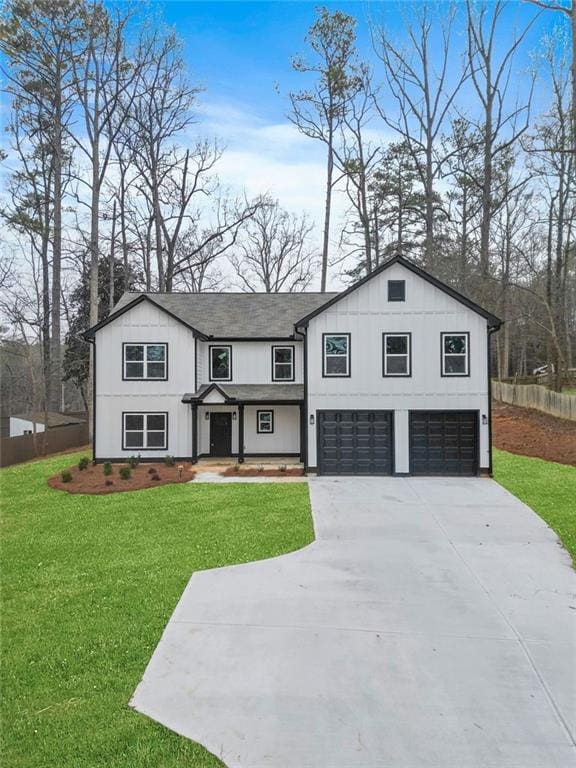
point(194, 433)
point(240, 434)
point(303, 433)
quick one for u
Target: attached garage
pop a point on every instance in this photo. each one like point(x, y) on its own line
point(355, 442)
point(443, 442)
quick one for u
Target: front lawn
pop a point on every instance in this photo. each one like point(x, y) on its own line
point(88, 584)
point(548, 488)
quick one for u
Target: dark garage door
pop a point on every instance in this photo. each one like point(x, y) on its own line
point(355, 442)
point(443, 443)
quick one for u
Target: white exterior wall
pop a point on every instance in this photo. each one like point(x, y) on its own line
point(251, 361)
point(20, 426)
point(143, 323)
point(286, 436)
point(427, 312)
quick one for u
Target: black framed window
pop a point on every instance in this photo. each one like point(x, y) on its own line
point(145, 431)
point(455, 352)
point(397, 354)
point(282, 363)
point(336, 354)
point(396, 290)
point(145, 361)
point(220, 363)
point(264, 422)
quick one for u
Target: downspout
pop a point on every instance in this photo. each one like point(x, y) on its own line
point(490, 331)
point(92, 340)
point(304, 427)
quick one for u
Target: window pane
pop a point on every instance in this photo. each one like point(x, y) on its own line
point(134, 440)
point(134, 351)
point(265, 421)
point(156, 439)
point(336, 345)
point(155, 352)
point(156, 370)
point(134, 370)
point(220, 363)
point(396, 345)
point(397, 365)
point(283, 355)
point(156, 421)
point(134, 421)
point(455, 364)
point(454, 345)
point(283, 371)
point(336, 365)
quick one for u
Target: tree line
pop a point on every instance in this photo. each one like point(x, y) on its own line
point(109, 190)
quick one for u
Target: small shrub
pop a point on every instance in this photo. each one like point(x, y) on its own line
point(66, 476)
point(125, 473)
point(83, 463)
point(282, 467)
point(109, 482)
point(107, 468)
point(155, 477)
point(169, 461)
point(152, 471)
point(260, 468)
point(236, 468)
point(133, 462)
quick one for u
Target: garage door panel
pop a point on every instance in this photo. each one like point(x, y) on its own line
point(443, 443)
point(355, 442)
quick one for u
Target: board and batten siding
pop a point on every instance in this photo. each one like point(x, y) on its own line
point(427, 312)
point(251, 361)
point(144, 323)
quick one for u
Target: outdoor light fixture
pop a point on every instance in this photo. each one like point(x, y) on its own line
point(484, 419)
point(207, 415)
point(233, 415)
point(312, 419)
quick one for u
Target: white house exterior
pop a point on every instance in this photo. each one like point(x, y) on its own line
point(388, 377)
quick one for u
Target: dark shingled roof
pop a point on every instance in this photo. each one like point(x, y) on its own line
point(54, 419)
point(230, 315)
point(250, 392)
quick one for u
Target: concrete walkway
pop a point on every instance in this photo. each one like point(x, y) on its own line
point(431, 624)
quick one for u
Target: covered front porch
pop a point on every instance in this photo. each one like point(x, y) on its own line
point(245, 422)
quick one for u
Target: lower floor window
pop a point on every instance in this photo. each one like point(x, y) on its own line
point(265, 422)
point(147, 431)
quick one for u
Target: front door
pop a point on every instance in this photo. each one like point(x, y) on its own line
point(220, 434)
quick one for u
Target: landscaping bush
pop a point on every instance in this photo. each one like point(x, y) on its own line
point(83, 463)
point(155, 477)
point(125, 473)
point(152, 471)
point(133, 462)
point(66, 476)
point(107, 468)
point(169, 461)
point(109, 482)
point(282, 467)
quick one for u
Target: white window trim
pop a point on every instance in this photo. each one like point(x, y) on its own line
point(407, 355)
point(466, 354)
point(274, 363)
point(145, 431)
point(211, 349)
point(145, 361)
point(326, 355)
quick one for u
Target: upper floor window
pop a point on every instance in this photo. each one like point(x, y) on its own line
point(146, 431)
point(396, 290)
point(397, 354)
point(455, 354)
point(336, 354)
point(220, 363)
point(282, 363)
point(145, 361)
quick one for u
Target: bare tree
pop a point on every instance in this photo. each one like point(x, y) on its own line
point(274, 254)
point(319, 112)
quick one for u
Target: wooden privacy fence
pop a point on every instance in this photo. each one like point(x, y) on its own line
point(536, 396)
point(13, 450)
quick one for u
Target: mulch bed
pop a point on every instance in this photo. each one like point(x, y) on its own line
point(533, 433)
point(255, 472)
point(93, 480)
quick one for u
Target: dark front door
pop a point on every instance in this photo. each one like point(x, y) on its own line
point(443, 443)
point(355, 443)
point(220, 434)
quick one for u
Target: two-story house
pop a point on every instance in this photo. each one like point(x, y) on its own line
point(391, 376)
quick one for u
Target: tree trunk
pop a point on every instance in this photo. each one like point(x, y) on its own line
point(112, 261)
point(328, 205)
point(55, 345)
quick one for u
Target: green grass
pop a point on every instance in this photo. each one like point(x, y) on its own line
point(548, 488)
point(88, 584)
point(569, 390)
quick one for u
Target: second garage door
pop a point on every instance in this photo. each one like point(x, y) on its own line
point(443, 443)
point(355, 442)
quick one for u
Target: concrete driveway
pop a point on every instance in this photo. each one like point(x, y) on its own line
point(432, 623)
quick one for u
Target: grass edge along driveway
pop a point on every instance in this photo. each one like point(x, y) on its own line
point(545, 486)
point(88, 585)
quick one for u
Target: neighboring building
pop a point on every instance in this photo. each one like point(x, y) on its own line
point(28, 423)
point(388, 377)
